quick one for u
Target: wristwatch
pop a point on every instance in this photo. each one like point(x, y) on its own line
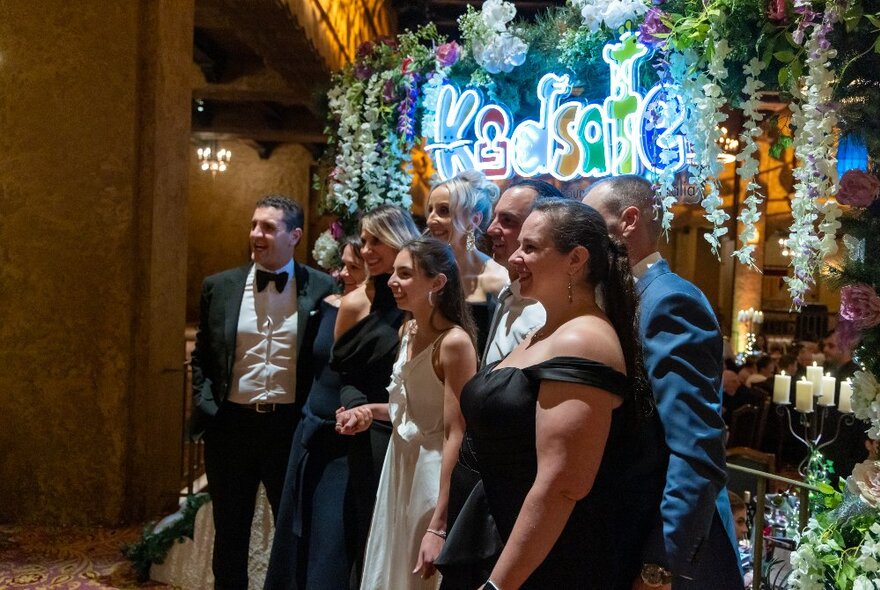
point(654, 575)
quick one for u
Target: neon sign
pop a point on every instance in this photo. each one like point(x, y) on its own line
point(627, 133)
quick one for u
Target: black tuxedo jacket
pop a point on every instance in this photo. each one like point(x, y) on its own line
point(214, 353)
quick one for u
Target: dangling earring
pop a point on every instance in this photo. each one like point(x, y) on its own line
point(570, 294)
point(470, 243)
point(431, 298)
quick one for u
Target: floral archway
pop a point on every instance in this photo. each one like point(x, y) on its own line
point(706, 59)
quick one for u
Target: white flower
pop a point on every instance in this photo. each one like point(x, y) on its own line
point(502, 54)
point(611, 13)
point(497, 13)
point(326, 251)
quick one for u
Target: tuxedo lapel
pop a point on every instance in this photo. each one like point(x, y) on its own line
point(305, 302)
point(234, 293)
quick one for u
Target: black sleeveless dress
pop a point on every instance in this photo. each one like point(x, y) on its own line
point(601, 545)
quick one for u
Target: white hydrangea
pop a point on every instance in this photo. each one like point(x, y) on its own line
point(611, 13)
point(866, 401)
point(503, 53)
point(326, 251)
point(497, 13)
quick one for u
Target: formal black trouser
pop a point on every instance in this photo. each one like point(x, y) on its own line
point(242, 449)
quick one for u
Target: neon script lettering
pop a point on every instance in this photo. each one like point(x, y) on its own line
point(627, 133)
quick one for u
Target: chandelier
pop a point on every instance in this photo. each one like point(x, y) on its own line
point(213, 159)
point(729, 146)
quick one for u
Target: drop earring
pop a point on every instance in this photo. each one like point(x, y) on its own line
point(470, 241)
point(570, 292)
point(431, 298)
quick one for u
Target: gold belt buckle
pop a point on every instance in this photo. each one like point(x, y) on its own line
point(260, 405)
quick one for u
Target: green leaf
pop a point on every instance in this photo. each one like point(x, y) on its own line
point(825, 488)
point(874, 20)
point(784, 56)
point(852, 16)
point(796, 70)
point(877, 45)
point(783, 77)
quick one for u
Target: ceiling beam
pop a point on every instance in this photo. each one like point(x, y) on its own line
point(302, 136)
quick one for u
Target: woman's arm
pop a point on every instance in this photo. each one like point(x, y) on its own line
point(572, 428)
point(359, 418)
point(353, 307)
point(458, 363)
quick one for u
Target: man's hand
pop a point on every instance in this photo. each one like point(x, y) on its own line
point(353, 421)
point(639, 584)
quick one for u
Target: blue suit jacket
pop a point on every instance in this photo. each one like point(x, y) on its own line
point(683, 360)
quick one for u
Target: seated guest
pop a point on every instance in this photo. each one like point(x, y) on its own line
point(746, 370)
point(735, 394)
point(741, 522)
point(459, 211)
point(764, 369)
point(437, 357)
point(564, 431)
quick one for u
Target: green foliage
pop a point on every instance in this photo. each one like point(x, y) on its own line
point(154, 545)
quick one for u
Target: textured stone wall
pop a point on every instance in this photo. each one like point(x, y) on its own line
point(221, 207)
point(75, 314)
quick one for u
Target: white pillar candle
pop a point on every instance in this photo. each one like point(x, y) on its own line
point(814, 375)
point(782, 388)
point(804, 396)
point(826, 396)
point(845, 403)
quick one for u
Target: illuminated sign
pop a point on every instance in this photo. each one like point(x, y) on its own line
point(627, 133)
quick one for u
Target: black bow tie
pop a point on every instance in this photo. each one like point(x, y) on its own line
point(264, 278)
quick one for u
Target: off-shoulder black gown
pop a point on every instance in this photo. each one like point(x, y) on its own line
point(364, 358)
point(600, 546)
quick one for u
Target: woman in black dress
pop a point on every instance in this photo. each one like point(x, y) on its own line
point(568, 447)
point(309, 550)
point(364, 353)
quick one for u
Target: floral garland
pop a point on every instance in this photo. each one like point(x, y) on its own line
point(841, 548)
point(815, 176)
point(748, 164)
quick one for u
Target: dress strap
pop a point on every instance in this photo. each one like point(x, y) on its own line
point(572, 369)
point(435, 352)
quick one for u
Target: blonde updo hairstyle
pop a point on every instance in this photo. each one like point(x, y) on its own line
point(470, 193)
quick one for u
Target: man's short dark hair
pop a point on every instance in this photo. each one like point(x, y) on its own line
point(544, 189)
point(762, 362)
point(630, 190)
point(292, 212)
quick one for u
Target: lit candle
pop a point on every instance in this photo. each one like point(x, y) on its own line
point(782, 388)
point(845, 403)
point(814, 375)
point(826, 396)
point(804, 396)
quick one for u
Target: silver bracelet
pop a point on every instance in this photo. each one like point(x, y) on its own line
point(490, 585)
point(441, 534)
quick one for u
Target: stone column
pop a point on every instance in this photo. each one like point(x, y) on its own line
point(94, 113)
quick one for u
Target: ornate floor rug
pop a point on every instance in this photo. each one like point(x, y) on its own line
point(41, 557)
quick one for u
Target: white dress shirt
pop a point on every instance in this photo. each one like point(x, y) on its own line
point(515, 317)
point(264, 369)
point(641, 267)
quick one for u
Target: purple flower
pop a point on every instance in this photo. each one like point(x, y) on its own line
point(860, 305)
point(389, 91)
point(448, 54)
point(336, 230)
point(846, 334)
point(365, 49)
point(652, 26)
point(858, 188)
point(363, 71)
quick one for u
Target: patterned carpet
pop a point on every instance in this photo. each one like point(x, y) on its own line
point(41, 557)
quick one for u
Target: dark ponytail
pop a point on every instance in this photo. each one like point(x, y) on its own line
point(575, 224)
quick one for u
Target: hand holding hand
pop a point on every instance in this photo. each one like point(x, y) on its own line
point(639, 584)
point(354, 420)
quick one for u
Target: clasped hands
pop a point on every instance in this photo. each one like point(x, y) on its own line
point(353, 421)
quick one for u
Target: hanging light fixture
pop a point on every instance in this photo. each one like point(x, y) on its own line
point(729, 146)
point(213, 158)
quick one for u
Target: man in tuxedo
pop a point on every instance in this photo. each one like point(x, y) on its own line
point(250, 376)
point(693, 545)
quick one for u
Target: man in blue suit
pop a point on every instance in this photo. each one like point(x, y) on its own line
point(693, 546)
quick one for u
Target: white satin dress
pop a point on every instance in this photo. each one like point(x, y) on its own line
point(410, 480)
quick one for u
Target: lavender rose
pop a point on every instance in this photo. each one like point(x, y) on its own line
point(865, 481)
point(448, 54)
point(858, 188)
point(776, 11)
point(860, 304)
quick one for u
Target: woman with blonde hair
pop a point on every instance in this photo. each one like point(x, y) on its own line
point(367, 340)
point(459, 211)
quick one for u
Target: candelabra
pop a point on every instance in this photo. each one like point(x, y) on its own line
point(811, 422)
point(750, 318)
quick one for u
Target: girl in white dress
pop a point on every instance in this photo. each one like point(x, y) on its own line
point(437, 357)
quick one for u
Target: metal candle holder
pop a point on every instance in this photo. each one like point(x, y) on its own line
point(812, 437)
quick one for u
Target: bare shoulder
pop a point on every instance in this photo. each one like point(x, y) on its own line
point(457, 345)
point(353, 307)
point(589, 337)
point(494, 277)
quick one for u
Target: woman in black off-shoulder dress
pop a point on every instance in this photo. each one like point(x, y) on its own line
point(364, 353)
point(563, 431)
